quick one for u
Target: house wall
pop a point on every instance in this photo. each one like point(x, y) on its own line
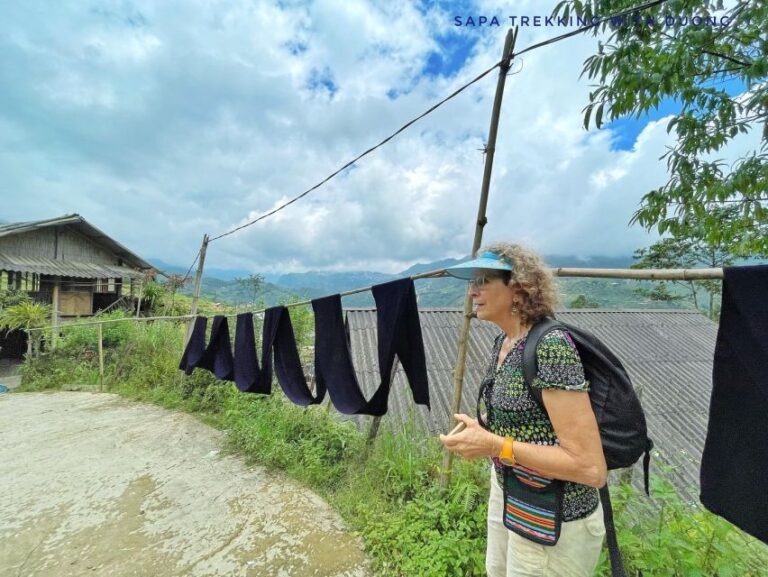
point(60, 243)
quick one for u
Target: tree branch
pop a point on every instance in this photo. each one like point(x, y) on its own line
point(730, 58)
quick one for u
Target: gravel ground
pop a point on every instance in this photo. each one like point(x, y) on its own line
point(93, 484)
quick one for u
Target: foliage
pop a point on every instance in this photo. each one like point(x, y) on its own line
point(308, 443)
point(78, 338)
point(583, 302)
point(668, 537)
point(152, 295)
point(173, 283)
point(640, 63)
point(56, 370)
point(12, 297)
point(251, 284)
point(690, 248)
point(659, 292)
point(303, 322)
point(26, 315)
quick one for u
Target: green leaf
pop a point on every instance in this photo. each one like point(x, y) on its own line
point(599, 115)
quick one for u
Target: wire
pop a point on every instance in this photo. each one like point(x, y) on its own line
point(197, 256)
point(351, 162)
point(590, 26)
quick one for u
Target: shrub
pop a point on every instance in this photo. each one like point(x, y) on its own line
point(78, 338)
point(667, 536)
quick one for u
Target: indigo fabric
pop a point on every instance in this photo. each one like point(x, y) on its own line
point(218, 353)
point(399, 333)
point(195, 349)
point(333, 362)
point(279, 341)
point(734, 465)
point(248, 376)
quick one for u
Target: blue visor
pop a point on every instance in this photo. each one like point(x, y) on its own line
point(488, 261)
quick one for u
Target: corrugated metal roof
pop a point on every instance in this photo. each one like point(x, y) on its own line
point(49, 266)
point(667, 353)
point(85, 228)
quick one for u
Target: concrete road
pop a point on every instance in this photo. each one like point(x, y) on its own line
point(92, 484)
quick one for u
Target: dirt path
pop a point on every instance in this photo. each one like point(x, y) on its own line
point(91, 484)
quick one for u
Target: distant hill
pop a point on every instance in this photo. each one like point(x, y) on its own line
point(219, 285)
point(426, 267)
point(572, 261)
point(332, 282)
point(219, 273)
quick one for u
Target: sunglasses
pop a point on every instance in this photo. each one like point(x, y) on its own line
point(482, 280)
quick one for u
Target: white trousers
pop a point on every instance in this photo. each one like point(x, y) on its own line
point(575, 555)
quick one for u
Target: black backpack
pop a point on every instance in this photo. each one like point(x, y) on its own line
point(618, 411)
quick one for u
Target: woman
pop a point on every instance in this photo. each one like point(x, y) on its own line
point(558, 447)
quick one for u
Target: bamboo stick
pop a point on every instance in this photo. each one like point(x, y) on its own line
point(55, 314)
point(642, 274)
point(632, 274)
point(141, 292)
point(198, 286)
point(101, 358)
point(458, 376)
point(109, 321)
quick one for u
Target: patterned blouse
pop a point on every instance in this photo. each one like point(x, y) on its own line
point(514, 412)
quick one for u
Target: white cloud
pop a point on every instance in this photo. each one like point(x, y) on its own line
point(161, 121)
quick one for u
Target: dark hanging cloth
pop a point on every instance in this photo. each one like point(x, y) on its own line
point(734, 465)
point(218, 353)
point(333, 361)
point(399, 333)
point(195, 348)
point(247, 372)
point(279, 341)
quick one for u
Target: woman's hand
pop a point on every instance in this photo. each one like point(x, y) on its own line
point(474, 441)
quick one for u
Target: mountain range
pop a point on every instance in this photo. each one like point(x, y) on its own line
point(221, 285)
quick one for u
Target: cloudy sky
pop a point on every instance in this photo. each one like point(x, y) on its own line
point(161, 120)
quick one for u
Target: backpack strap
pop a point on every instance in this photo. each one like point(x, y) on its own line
point(617, 564)
point(646, 463)
point(530, 366)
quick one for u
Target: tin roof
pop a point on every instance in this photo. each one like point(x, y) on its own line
point(49, 266)
point(668, 354)
point(83, 227)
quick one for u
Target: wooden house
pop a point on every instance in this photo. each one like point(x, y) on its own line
point(69, 263)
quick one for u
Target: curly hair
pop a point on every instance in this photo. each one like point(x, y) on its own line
point(536, 281)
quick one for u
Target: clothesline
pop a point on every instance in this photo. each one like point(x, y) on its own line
point(632, 274)
point(399, 335)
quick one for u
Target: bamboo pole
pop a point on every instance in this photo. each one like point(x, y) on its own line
point(631, 274)
point(198, 285)
point(101, 358)
point(55, 314)
point(141, 292)
point(643, 274)
point(122, 320)
point(458, 376)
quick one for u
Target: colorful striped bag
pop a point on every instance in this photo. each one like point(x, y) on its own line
point(532, 505)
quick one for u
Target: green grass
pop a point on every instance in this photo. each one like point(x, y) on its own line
point(389, 492)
